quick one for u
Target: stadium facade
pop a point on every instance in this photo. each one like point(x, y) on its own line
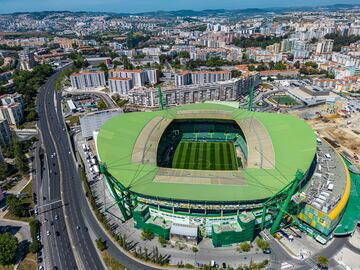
point(221, 172)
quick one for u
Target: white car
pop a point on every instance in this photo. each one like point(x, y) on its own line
point(48, 233)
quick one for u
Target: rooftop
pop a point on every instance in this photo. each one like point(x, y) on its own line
point(293, 142)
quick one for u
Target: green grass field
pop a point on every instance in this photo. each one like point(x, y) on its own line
point(205, 156)
point(284, 100)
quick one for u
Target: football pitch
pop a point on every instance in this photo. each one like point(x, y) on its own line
point(205, 156)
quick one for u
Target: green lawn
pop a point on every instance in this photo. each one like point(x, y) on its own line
point(284, 100)
point(205, 156)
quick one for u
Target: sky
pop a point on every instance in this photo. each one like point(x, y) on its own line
point(133, 6)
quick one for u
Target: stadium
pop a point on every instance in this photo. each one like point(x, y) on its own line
point(212, 170)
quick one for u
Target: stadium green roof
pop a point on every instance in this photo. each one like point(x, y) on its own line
point(294, 145)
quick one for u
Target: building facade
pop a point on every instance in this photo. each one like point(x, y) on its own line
point(201, 77)
point(88, 79)
point(5, 135)
point(12, 113)
point(120, 86)
point(224, 91)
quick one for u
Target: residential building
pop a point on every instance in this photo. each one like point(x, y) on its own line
point(120, 86)
point(324, 46)
point(27, 60)
point(222, 90)
point(9, 99)
point(201, 77)
point(139, 77)
point(12, 113)
point(88, 79)
point(5, 135)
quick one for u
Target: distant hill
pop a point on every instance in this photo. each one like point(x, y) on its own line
point(197, 13)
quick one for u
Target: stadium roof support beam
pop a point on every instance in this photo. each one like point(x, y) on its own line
point(251, 96)
point(123, 201)
point(298, 177)
point(161, 99)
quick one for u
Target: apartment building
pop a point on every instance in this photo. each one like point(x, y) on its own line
point(201, 77)
point(12, 113)
point(139, 77)
point(324, 46)
point(27, 60)
point(120, 86)
point(5, 135)
point(88, 79)
point(222, 90)
point(9, 99)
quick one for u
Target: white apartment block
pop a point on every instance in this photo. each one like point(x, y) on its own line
point(9, 99)
point(324, 46)
point(120, 86)
point(88, 79)
point(201, 77)
point(139, 77)
point(27, 60)
point(5, 135)
point(346, 59)
point(13, 114)
point(223, 90)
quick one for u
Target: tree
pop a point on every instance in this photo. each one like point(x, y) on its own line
point(194, 249)
point(311, 64)
point(162, 241)
point(235, 73)
point(322, 261)
point(184, 54)
point(147, 235)
point(35, 246)
point(16, 206)
point(100, 244)
point(8, 247)
point(3, 171)
point(262, 244)
point(279, 66)
point(245, 246)
point(32, 116)
point(101, 105)
point(20, 158)
point(297, 64)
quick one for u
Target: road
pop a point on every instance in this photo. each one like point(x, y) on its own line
point(108, 101)
point(69, 245)
point(74, 202)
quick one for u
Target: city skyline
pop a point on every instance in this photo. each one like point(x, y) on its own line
point(121, 6)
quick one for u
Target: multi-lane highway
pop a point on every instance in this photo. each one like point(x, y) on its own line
point(73, 247)
point(66, 239)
